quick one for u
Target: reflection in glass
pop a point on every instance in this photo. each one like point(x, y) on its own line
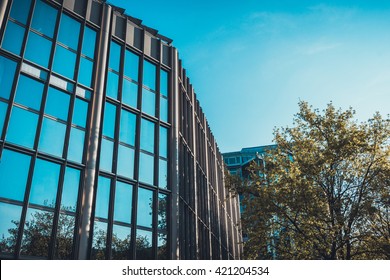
point(112, 85)
point(115, 52)
point(144, 245)
point(85, 72)
point(7, 72)
point(44, 18)
point(163, 147)
point(69, 31)
point(70, 189)
point(123, 202)
point(162, 212)
point(148, 102)
point(129, 93)
point(164, 83)
point(64, 62)
point(57, 104)
point(102, 197)
point(121, 237)
point(36, 233)
point(163, 174)
point(3, 111)
point(13, 174)
point(162, 249)
point(9, 226)
point(149, 75)
point(145, 208)
point(89, 40)
point(99, 241)
point(64, 241)
point(34, 43)
point(106, 152)
point(80, 112)
point(13, 38)
point(131, 65)
point(45, 183)
point(109, 120)
point(22, 127)
point(29, 92)
point(125, 161)
point(146, 168)
point(76, 145)
point(147, 135)
point(52, 137)
point(164, 109)
point(127, 128)
point(20, 10)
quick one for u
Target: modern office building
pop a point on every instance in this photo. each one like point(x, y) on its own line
point(105, 152)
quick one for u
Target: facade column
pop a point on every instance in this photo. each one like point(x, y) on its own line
point(174, 158)
point(92, 154)
point(3, 8)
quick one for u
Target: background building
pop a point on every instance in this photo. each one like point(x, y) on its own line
point(105, 152)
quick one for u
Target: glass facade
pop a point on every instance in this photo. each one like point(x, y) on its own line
point(49, 123)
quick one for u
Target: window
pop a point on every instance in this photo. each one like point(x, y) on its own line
point(131, 65)
point(147, 135)
point(36, 42)
point(20, 10)
point(3, 111)
point(13, 174)
point(76, 145)
point(10, 221)
point(149, 79)
point(129, 93)
point(13, 38)
point(115, 53)
point(89, 40)
point(106, 153)
point(146, 168)
point(102, 197)
point(45, 183)
point(7, 72)
point(85, 72)
point(22, 127)
point(144, 244)
point(145, 208)
point(125, 161)
point(52, 137)
point(123, 202)
point(163, 142)
point(127, 127)
point(121, 237)
point(70, 189)
point(29, 92)
point(163, 174)
point(148, 102)
point(69, 31)
point(112, 85)
point(109, 120)
point(64, 62)
point(44, 18)
point(80, 112)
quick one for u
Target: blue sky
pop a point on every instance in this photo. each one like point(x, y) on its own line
point(252, 61)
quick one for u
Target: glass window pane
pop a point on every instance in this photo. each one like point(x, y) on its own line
point(36, 233)
point(64, 62)
point(80, 112)
point(69, 31)
point(9, 226)
point(13, 174)
point(129, 93)
point(121, 237)
point(146, 168)
point(164, 83)
point(45, 183)
point(131, 65)
point(85, 72)
point(7, 72)
point(57, 104)
point(34, 43)
point(163, 174)
point(76, 145)
point(13, 38)
point(29, 92)
point(144, 245)
point(89, 41)
point(127, 128)
point(164, 109)
point(149, 75)
point(112, 85)
point(115, 53)
point(162, 212)
point(162, 249)
point(22, 127)
point(99, 241)
point(163, 142)
point(52, 137)
point(145, 208)
point(109, 120)
point(64, 241)
point(44, 18)
point(70, 189)
point(148, 102)
point(123, 202)
point(125, 161)
point(3, 111)
point(102, 198)
point(106, 153)
point(20, 10)
point(147, 135)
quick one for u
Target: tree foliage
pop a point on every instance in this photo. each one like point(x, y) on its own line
point(324, 192)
